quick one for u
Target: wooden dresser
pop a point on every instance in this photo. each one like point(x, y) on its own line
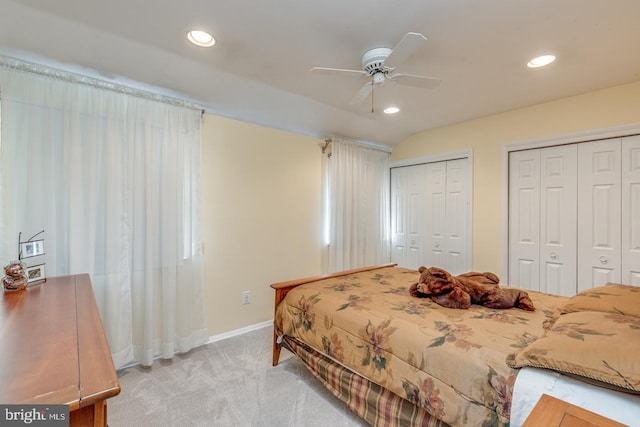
point(53, 350)
point(552, 412)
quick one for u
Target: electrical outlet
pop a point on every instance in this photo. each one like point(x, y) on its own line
point(245, 297)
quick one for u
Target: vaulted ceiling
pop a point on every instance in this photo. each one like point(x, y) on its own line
point(259, 69)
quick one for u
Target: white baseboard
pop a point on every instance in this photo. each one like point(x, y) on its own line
point(240, 331)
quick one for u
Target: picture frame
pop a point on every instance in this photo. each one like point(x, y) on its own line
point(35, 273)
point(31, 248)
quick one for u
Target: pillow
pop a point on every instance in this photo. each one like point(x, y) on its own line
point(612, 298)
point(598, 346)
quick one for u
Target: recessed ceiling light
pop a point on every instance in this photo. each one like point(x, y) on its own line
point(541, 61)
point(391, 110)
point(201, 38)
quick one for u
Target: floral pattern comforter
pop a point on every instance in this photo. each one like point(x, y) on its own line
point(451, 362)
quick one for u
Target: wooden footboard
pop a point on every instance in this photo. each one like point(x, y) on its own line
point(282, 288)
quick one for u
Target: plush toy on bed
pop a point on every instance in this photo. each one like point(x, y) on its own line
point(466, 289)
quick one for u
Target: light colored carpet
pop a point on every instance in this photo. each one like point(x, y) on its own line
point(227, 383)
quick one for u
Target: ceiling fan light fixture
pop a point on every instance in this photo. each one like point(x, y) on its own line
point(378, 78)
point(541, 61)
point(201, 38)
point(391, 110)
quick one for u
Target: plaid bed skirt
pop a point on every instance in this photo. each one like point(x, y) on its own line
point(374, 404)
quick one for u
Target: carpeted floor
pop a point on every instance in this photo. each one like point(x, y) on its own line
point(227, 383)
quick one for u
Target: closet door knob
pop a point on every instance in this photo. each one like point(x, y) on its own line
point(603, 259)
point(436, 244)
point(553, 255)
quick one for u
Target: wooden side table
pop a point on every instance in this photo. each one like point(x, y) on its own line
point(552, 412)
point(53, 350)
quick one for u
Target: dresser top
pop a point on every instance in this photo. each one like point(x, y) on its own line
point(52, 345)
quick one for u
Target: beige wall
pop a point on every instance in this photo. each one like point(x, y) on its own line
point(595, 110)
point(262, 194)
point(261, 211)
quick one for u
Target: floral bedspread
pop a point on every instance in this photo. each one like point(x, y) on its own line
point(452, 362)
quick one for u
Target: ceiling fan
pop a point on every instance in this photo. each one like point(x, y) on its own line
point(380, 64)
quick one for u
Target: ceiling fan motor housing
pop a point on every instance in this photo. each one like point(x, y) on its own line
point(373, 60)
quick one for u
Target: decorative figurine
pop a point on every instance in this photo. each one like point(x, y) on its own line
point(15, 278)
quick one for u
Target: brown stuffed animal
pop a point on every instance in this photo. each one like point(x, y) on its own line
point(466, 289)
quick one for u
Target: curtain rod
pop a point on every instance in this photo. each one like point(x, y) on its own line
point(370, 146)
point(72, 77)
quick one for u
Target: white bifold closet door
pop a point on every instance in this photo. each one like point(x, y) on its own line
point(599, 213)
point(430, 215)
point(446, 233)
point(542, 219)
point(609, 212)
point(407, 213)
point(574, 216)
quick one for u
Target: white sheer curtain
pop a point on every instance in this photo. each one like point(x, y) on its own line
point(113, 179)
point(358, 206)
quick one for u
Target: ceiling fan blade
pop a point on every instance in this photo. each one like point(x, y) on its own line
point(415, 81)
point(362, 94)
point(409, 45)
point(334, 71)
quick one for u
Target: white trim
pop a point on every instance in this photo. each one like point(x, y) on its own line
point(572, 138)
point(452, 155)
point(504, 213)
point(240, 331)
point(562, 139)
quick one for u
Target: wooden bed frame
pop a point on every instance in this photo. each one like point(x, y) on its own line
point(282, 288)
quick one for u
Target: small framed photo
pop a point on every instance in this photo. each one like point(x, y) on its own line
point(31, 248)
point(35, 273)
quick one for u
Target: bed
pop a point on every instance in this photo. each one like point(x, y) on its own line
point(399, 360)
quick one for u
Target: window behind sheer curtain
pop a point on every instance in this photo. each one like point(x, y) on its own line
point(113, 179)
point(358, 208)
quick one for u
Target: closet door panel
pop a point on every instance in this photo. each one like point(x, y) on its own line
point(436, 224)
point(558, 222)
point(524, 219)
point(415, 216)
point(631, 210)
point(457, 216)
point(407, 215)
point(398, 216)
point(599, 213)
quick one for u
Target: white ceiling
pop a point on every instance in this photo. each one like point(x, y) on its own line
point(259, 69)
